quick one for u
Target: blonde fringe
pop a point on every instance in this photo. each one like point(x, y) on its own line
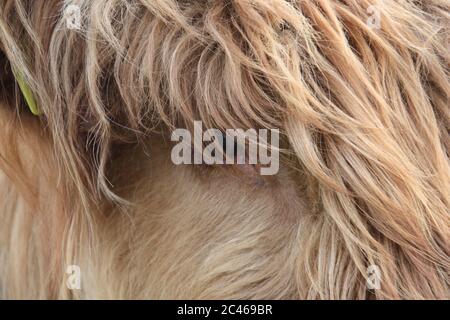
point(364, 112)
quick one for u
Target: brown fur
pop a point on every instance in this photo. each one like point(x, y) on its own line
point(364, 177)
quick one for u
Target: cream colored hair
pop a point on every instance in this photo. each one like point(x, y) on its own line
point(364, 116)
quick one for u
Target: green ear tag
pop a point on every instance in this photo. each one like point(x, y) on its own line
point(28, 94)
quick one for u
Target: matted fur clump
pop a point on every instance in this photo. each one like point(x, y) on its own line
point(364, 178)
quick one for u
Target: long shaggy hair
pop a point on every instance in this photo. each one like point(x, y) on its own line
point(364, 177)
